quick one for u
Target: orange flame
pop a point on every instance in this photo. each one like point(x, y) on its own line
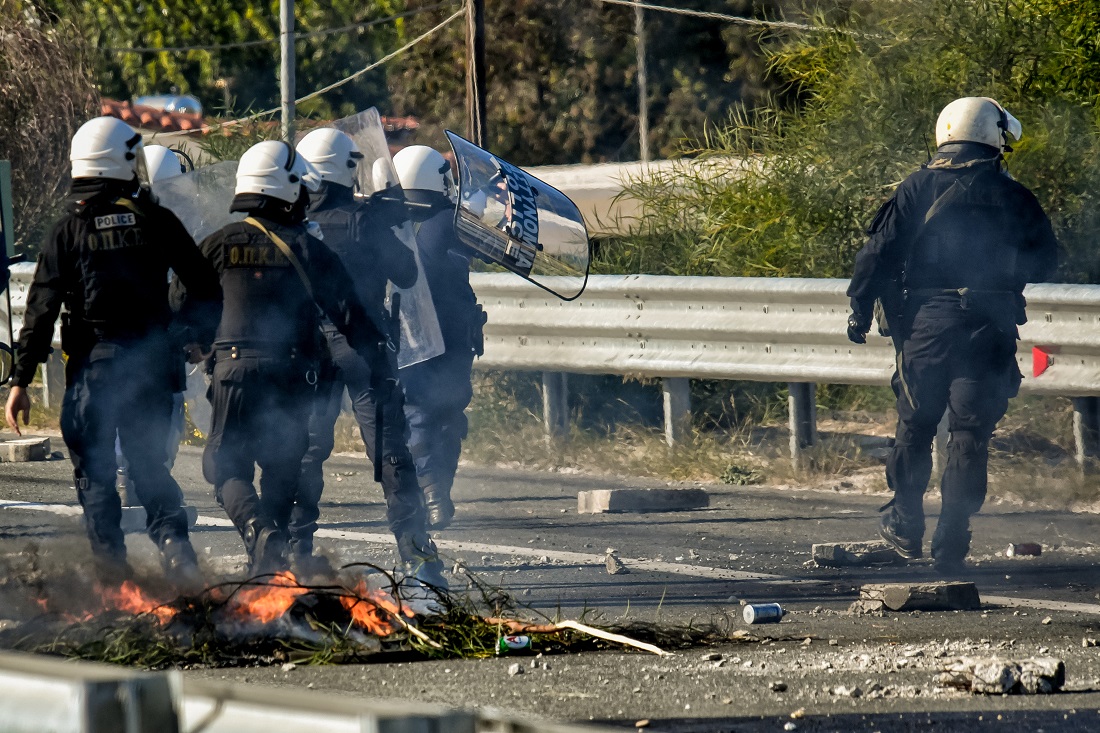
point(373, 609)
point(265, 603)
point(132, 599)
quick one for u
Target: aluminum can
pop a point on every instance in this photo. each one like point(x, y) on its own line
point(513, 643)
point(763, 613)
point(1031, 549)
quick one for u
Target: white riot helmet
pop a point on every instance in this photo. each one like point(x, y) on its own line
point(420, 168)
point(107, 147)
point(333, 154)
point(977, 120)
point(163, 163)
point(273, 168)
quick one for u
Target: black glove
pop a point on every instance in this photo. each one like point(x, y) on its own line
point(384, 389)
point(858, 326)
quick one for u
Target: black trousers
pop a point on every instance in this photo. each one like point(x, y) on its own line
point(437, 393)
point(404, 501)
point(124, 390)
point(966, 367)
point(260, 412)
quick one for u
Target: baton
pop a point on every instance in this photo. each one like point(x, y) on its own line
point(393, 341)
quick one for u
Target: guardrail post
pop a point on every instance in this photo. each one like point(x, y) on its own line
point(53, 380)
point(1086, 428)
point(676, 396)
point(802, 410)
point(555, 404)
point(939, 448)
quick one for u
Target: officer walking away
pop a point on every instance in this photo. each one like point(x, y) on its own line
point(107, 263)
point(163, 164)
point(948, 257)
point(278, 281)
point(360, 233)
point(438, 391)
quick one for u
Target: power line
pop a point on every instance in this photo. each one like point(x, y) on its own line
point(730, 18)
point(271, 41)
point(370, 67)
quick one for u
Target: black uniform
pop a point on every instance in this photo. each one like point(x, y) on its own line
point(360, 234)
point(107, 262)
point(438, 391)
point(267, 353)
point(949, 256)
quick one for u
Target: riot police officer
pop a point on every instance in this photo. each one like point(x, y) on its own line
point(107, 263)
point(948, 257)
point(360, 233)
point(278, 281)
point(438, 391)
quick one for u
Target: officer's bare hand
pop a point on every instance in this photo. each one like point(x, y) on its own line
point(857, 329)
point(18, 403)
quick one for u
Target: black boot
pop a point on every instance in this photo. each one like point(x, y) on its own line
point(419, 552)
point(267, 547)
point(112, 570)
point(904, 539)
point(440, 508)
point(305, 564)
point(950, 546)
point(181, 566)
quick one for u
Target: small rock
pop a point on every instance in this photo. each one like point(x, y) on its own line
point(799, 714)
point(1087, 642)
point(807, 641)
point(1047, 621)
point(789, 726)
point(614, 565)
point(543, 559)
point(778, 687)
point(515, 669)
point(834, 642)
point(643, 723)
point(289, 666)
point(712, 657)
point(727, 701)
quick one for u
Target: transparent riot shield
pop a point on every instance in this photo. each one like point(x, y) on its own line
point(421, 337)
point(201, 198)
point(521, 223)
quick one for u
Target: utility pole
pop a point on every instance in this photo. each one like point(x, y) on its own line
point(475, 72)
point(286, 68)
point(643, 98)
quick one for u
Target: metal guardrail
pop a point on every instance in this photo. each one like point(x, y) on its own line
point(757, 329)
point(47, 695)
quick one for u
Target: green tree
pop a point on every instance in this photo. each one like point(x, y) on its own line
point(239, 78)
point(787, 188)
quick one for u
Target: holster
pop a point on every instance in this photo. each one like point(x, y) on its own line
point(477, 330)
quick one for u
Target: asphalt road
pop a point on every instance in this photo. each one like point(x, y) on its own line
point(521, 531)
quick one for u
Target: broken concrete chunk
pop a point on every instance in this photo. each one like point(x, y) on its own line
point(27, 448)
point(994, 676)
point(615, 566)
point(867, 608)
point(941, 596)
point(640, 500)
point(855, 554)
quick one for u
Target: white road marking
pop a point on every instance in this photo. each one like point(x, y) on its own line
point(578, 558)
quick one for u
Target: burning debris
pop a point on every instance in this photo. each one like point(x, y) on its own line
point(357, 614)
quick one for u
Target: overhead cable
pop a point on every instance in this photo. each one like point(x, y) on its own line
point(731, 18)
point(370, 67)
point(271, 41)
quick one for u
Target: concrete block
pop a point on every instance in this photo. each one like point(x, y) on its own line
point(26, 448)
point(855, 554)
point(133, 518)
point(995, 676)
point(941, 596)
point(640, 500)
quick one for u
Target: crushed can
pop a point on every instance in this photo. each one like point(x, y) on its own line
point(1024, 549)
point(513, 644)
point(763, 613)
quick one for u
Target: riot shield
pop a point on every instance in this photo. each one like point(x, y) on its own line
point(521, 223)
point(421, 337)
point(201, 198)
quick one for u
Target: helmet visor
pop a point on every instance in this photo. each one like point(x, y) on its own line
point(311, 177)
point(1012, 125)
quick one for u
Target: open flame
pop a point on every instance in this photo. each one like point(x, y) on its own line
point(374, 610)
point(265, 603)
point(132, 599)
